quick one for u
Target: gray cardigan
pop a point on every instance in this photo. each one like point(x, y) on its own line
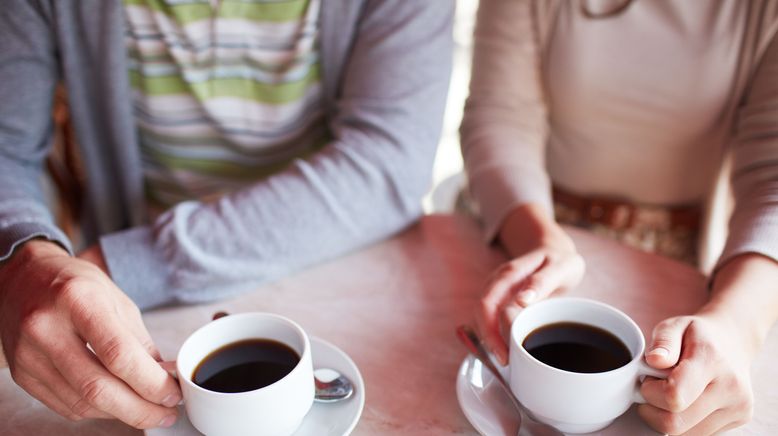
point(386, 67)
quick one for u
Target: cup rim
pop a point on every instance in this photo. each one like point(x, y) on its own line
point(587, 301)
point(295, 326)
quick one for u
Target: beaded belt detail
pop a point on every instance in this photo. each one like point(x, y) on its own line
point(668, 231)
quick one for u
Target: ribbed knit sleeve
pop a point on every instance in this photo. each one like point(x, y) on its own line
point(754, 223)
point(29, 73)
point(505, 125)
point(364, 186)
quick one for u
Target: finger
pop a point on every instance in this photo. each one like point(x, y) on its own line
point(492, 341)
point(683, 386)
point(138, 329)
point(507, 314)
point(507, 276)
point(666, 340)
point(43, 373)
point(670, 422)
point(102, 390)
point(498, 290)
point(168, 365)
point(43, 394)
point(553, 276)
point(718, 422)
point(125, 357)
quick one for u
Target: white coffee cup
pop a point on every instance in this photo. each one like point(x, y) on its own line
point(276, 409)
point(570, 401)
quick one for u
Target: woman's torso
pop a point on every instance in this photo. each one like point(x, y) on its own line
point(642, 102)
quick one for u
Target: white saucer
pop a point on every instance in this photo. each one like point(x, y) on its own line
point(335, 419)
point(490, 412)
point(483, 401)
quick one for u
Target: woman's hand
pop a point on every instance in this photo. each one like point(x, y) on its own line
point(709, 387)
point(544, 261)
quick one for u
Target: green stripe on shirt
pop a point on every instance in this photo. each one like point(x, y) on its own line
point(221, 104)
point(230, 87)
point(186, 13)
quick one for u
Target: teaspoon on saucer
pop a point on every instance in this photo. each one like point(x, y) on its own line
point(528, 426)
point(331, 386)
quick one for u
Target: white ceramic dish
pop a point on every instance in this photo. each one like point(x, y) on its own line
point(489, 411)
point(483, 401)
point(337, 419)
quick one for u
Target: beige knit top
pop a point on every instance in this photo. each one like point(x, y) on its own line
point(641, 104)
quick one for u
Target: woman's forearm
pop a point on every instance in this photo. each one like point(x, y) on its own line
point(745, 290)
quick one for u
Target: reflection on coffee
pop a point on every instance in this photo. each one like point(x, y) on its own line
point(245, 366)
point(577, 347)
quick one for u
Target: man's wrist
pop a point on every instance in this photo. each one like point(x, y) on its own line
point(94, 255)
point(30, 250)
point(35, 248)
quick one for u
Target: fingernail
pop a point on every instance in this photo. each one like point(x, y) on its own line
point(171, 400)
point(527, 296)
point(168, 421)
point(503, 359)
point(658, 351)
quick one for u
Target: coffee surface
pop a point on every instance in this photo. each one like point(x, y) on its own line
point(577, 347)
point(245, 366)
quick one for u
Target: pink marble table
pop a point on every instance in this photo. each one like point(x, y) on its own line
point(393, 308)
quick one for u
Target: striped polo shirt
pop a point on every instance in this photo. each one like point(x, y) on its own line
point(225, 92)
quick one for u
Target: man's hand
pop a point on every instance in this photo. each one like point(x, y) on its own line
point(94, 255)
point(75, 342)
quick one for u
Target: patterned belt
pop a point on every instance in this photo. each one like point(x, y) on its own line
point(620, 215)
point(669, 231)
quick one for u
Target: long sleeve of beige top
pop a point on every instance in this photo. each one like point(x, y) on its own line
point(505, 126)
point(519, 132)
point(754, 223)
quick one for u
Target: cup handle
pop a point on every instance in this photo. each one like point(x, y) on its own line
point(646, 371)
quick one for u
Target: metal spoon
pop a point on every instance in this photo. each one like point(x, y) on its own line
point(527, 425)
point(331, 386)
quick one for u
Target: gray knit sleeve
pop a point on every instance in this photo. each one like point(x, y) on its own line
point(29, 73)
point(365, 185)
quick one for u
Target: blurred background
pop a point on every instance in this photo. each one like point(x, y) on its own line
point(447, 173)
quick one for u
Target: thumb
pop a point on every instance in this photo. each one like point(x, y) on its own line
point(665, 347)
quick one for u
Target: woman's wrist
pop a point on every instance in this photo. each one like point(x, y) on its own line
point(529, 226)
point(749, 333)
point(744, 297)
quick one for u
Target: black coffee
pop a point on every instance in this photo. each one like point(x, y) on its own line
point(576, 347)
point(245, 365)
